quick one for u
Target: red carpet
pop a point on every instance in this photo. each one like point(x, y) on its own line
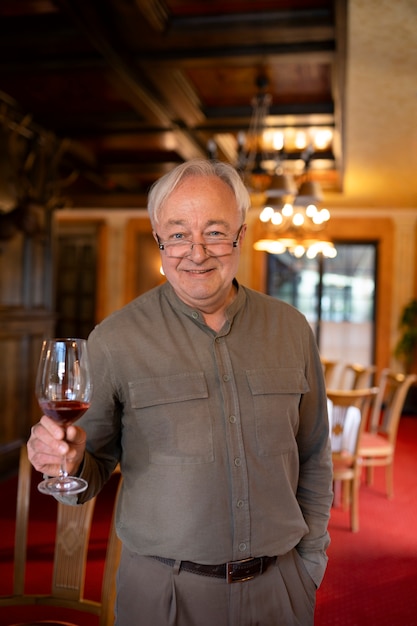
point(371, 579)
point(372, 575)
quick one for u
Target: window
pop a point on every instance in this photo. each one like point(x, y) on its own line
point(76, 271)
point(337, 296)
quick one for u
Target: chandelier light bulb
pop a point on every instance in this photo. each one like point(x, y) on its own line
point(325, 215)
point(298, 251)
point(311, 210)
point(278, 140)
point(276, 218)
point(298, 219)
point(241, 138)
point(322, 139)
point(330, 252)
point(287, 210)
point(321, 247)
point(276, 247)
point(300, 140)
point(266, 214)
point(270, 245)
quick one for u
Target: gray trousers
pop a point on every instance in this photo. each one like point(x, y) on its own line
point(151, 593)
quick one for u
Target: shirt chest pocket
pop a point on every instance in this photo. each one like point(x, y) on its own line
point(173, 416)
point(276, 394)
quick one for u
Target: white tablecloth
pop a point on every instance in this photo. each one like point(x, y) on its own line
point(343, 439)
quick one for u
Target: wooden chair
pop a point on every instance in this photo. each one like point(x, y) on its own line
point(377, 444)
point(328, 370)
point(356, 376)
point(70, 558)
point(348, 413)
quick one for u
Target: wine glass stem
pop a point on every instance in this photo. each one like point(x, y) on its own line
point(63, 469)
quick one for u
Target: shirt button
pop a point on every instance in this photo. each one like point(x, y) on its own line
point(226, 378)
point(232, 419)
point(242, 547)
point(194, 315)
point(240, 504)
point(238, 462)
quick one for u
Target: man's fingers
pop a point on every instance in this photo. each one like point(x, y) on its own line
point(49, 443)
point(75, 436)
point(53, 428)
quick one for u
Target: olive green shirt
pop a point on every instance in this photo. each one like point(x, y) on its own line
point(222, 437)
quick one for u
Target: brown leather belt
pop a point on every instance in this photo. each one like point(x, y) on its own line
point(232, 572)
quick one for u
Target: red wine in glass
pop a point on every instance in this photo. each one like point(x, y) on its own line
point(64, 390)
point(65, 412)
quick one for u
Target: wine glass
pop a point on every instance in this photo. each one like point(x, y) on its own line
point(63, 390)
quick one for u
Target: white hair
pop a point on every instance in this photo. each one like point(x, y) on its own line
point(163, 187)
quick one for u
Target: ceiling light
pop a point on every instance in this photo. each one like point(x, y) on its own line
point(290, 215)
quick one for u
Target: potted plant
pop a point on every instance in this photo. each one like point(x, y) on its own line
point(406, 351)
point(406, 348)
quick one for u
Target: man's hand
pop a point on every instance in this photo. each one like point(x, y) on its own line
point(49, 442)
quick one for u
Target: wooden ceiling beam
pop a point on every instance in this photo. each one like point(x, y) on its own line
point(89, 20)
point(322, 52)
point(307, 18)
point(94, 26)
point(178, 93)
point(155, 12)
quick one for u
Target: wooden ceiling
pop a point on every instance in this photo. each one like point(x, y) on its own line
point(129, 88)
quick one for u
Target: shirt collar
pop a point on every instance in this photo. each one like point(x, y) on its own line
point(195, 314)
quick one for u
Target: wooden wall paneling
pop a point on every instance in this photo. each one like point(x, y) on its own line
point(142, 259)
point(21, 335)
point(25, 319)
point(415, 261)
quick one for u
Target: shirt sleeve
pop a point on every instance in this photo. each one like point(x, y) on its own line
point(102, 422)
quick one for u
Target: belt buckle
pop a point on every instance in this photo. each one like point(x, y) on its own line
point(233, 576)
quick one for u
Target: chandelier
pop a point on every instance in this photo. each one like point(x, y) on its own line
point(295, 229)
point(290, 216)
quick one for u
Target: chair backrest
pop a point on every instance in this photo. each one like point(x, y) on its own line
point(348, 414)
point(393, 389)
point(329, 368)
point(73, 525)
point(356, 376)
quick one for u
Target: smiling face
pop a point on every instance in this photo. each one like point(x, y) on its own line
point(201, 209)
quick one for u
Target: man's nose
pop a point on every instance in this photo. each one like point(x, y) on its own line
point(198, 250)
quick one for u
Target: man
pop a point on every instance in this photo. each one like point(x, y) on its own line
point(211, 397)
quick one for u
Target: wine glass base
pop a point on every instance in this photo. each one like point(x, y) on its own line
point(62, 486)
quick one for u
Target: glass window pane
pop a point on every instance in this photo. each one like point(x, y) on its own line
point(337, 296)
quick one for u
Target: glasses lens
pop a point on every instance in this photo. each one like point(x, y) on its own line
point(182, 249)
point(178, 250)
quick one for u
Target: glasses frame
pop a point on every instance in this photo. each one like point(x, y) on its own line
point(162, 244)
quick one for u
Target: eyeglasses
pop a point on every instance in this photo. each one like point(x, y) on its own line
point(213, 246)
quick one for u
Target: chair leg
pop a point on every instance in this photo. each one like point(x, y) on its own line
point(369, 475)
point(337, 490)
point(346, 494)
point(354, 505)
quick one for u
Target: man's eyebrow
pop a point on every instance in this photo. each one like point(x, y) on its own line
point(220, 222)
point(174, 222)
